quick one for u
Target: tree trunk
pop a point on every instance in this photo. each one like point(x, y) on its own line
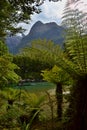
point(78, 106)
point(59, 98)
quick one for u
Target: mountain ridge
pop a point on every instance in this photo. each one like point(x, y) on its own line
point(40, 30)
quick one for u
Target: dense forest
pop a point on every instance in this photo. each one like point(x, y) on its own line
point(44, 87)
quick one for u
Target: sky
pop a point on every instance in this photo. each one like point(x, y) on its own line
point(51, 12)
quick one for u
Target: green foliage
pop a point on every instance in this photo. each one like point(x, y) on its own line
point(38, 49)
point(3, 48)
point(56, 75)
point(25, 126)
point(28, 126)
point(9, 110)
point(13, 12)
point(44, 51)
point(76, 38)
point(32, 100)
point(24, 63)
point(19, 108)
point(50, 53)
point(59, 77)
point(29, 68)
point(10, 94)
point(30, 105)
point(33, 59)
point(7, 73)
point(76, 52)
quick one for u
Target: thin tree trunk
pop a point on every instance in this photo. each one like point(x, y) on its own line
point(59, 98)
point(78, 106)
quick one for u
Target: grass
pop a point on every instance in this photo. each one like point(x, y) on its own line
point(37, 86)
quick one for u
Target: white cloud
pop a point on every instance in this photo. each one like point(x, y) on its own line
point(51, 11)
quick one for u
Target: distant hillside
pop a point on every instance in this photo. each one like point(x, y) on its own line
point(12, 43)
point(49, 31)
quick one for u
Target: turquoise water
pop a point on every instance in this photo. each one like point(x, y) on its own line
point(36, 86)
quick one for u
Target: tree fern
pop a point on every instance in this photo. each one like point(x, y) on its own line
point(76, 51)
point(76, 38)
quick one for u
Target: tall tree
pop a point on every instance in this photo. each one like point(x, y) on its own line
point(57, 76)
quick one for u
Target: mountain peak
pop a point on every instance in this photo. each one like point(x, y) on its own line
point(40, 27)
point(49, 31)
point(51, 23)
point(35, 27)
point(38, 22)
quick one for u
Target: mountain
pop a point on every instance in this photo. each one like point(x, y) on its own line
point(49, 31)
point(12, 43)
